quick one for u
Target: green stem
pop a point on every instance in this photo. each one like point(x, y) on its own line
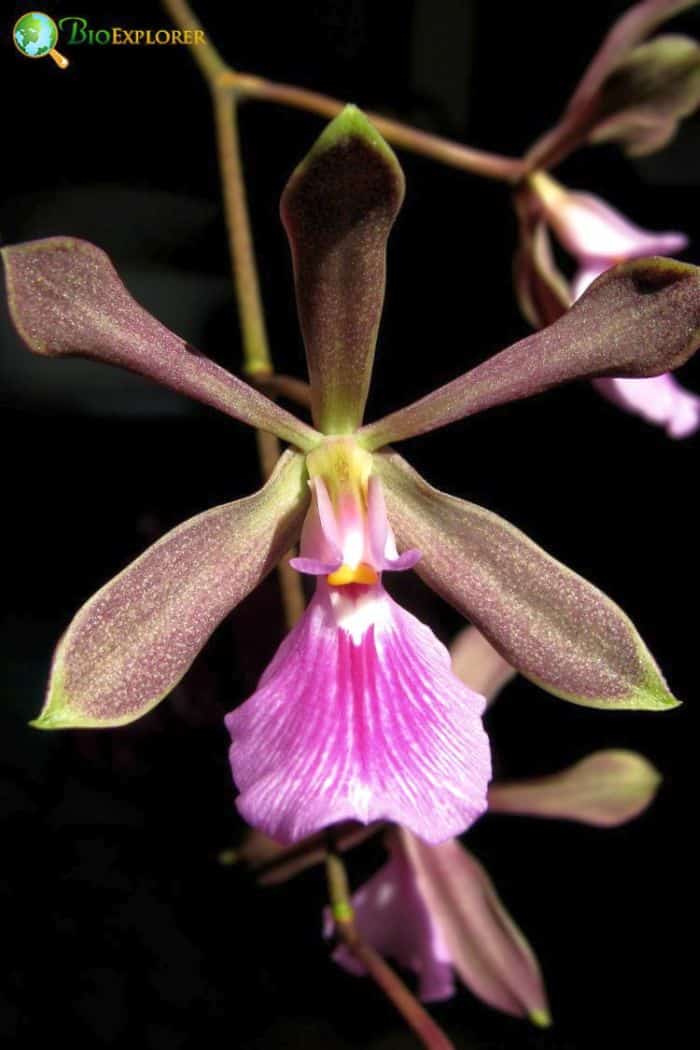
point(205, 55)
point(453, 154)
point(256, 352)
point(430, 1034)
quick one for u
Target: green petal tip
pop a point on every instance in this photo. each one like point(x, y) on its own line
point(652, 698)
point(541, 1018)
point(47, 720)
point(55, 713)
point(351, 123)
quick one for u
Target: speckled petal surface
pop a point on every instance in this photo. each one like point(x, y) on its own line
point(338, 209)
point(547, 622)
point(135, 639)
point(359, 717)
point(599, 335)
point(66, 299)
point(606, 788)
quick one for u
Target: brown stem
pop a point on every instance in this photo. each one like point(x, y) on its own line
point(205, 55)
point(288, 861)
point(431, 1036)
point(256, 352)
point(454, 154)
point(276, 385)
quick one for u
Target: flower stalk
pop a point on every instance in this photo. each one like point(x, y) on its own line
point(222, 78)
point(431, 1036)
point(256, 351)
point(445, 151)
point(257, 360)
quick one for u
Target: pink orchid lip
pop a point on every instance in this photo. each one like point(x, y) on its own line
point(359, 717)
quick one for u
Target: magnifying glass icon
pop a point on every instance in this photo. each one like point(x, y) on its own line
point(36, 35)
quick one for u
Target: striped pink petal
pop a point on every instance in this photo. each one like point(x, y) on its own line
point(360, 717)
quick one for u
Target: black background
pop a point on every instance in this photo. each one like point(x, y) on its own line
point(118, 924)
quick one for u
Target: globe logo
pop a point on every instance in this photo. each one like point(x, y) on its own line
point(36, 35)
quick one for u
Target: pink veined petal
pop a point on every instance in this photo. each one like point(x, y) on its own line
point(591, 229)
point(393, 917)
point(360, 717)
point(660, 399)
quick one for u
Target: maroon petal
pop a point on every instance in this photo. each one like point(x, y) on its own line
point(641, 318)
point(547, 622)
point(135, 639)
point(338, 209)
point(66, 299)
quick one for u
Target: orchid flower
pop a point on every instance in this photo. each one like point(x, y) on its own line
point(359, 714)
point(598, 237)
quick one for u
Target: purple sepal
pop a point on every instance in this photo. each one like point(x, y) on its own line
point(66, 299)
point(544, 620)
point(598, 336)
